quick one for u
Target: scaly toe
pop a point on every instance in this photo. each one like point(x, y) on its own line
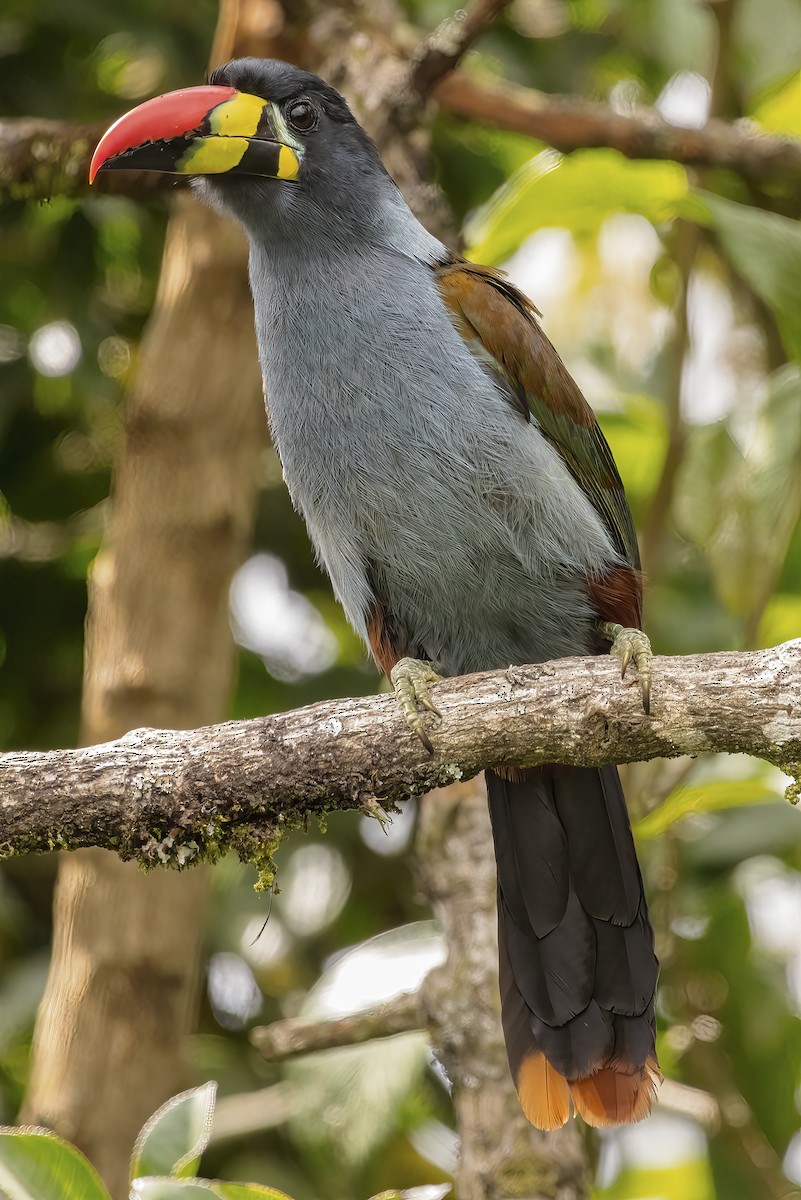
point(371, 808)
point(423, 696)
point(410, 678)
point(643, 661)
point(628, 644)
point(625, 657)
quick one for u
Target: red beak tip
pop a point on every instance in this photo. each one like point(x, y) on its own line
point(167, 116)
point(97, 164)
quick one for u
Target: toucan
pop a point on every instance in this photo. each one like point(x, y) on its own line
point(461, 496)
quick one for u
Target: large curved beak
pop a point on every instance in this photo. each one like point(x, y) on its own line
point(199, 131)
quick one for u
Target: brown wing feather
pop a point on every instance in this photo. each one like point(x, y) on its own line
point(492, 314)
point(617, 596)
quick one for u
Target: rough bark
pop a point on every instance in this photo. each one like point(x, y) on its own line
point(123, 979)
point(166, 796)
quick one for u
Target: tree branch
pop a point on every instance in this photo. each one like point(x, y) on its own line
point(288, 1039)
point(41, 158)
point(445, 48)
point(173, 796)
point(569, 123)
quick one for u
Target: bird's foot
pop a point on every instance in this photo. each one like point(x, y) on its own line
point(410, 678)
point(628, 644)
point(371, 808)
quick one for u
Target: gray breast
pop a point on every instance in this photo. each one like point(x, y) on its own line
point(414, 474)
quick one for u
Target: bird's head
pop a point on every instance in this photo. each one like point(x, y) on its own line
point(272, 144)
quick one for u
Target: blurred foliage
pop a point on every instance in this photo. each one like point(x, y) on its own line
point(599, 243)
point(172, 1141)
point(692, 1181)
point(37, 1165)
point(579, 192)
point(780, 109)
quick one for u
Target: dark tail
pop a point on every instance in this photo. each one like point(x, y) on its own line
point(577, 964)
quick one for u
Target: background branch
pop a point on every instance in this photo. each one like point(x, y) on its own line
point(569, 123)
point(40, 158)
point(288, 1039)
point(448, 44)
point(171, 795)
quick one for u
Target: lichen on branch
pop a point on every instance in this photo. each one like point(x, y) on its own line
point(177, 797)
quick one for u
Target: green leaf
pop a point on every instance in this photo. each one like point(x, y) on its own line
point(174, 1138)
point(474, 160)
point(765, 249)
point(692, 1180)
point(747, 832)
point(37, 1165)
point(637, 436)
point(704, 797)
point(166, 1188)
point(577, 193)
point(742, 508)
point(427, 1191)
point(780, 109)
point(781, 620)
point(248, 1191)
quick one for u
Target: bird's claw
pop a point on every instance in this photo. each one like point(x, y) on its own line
point(371, 808)
point(410, 678)
point(628, 644)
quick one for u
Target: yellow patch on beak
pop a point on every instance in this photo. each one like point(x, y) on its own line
point(212, 155)
point(237, 126)
point(238, 117)
point(288, 165)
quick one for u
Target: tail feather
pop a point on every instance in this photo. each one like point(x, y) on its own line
point(616, 1097)
point(544, 1093)
point(554, 973)
point(635, 1038)
point(603, 861)
point(579, 1047)
point(577, 968)
point(624, 981)
point(538, 898)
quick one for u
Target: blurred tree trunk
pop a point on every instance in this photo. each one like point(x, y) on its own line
point(123, 979)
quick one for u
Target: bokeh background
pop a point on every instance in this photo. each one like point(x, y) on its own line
point(674, 296)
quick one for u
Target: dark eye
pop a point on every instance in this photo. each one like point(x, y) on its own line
point(301, 115)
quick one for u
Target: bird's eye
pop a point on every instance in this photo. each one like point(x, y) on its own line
point(301, 115)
